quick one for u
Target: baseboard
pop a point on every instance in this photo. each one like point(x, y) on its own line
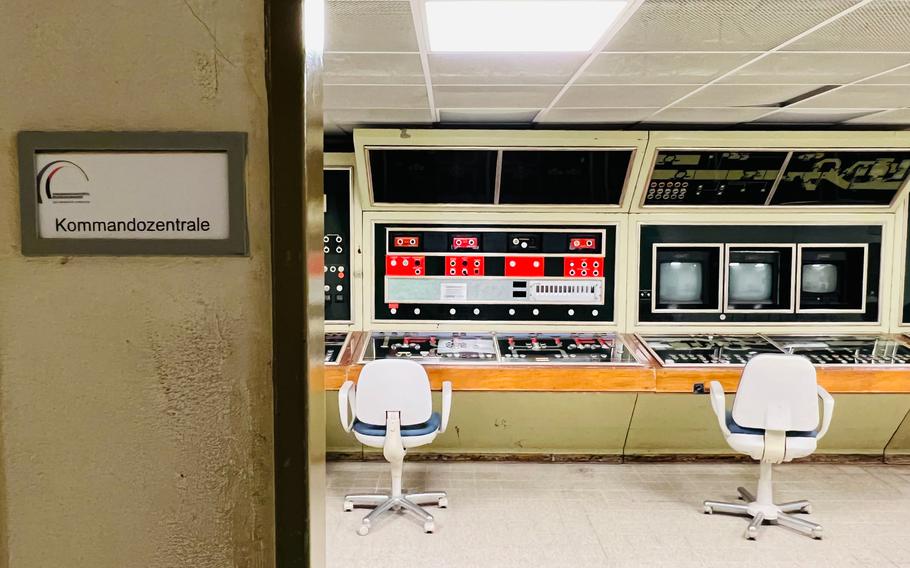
point(614, 458)
point(481, 457)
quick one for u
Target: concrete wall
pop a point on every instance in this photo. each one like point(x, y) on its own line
point(135, 413)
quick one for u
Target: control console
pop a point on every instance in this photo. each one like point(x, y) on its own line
point(430, 348)
point(580, 348)
point(335, 344)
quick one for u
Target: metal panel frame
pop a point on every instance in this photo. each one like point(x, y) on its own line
point(494, 140)
point(371, 218)
point(231, 143)
point(345, 161)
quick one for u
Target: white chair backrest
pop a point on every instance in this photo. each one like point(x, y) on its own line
point(777, 392)
point(393, 385)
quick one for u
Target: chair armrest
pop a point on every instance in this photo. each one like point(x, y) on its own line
point(446, 405)
point(719, 405)
point(828, 411)
point(347, 402)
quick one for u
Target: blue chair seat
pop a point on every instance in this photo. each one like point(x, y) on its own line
point(427, 427)
point(737, 429)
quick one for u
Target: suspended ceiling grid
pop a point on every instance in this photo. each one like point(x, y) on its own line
point(773, 62)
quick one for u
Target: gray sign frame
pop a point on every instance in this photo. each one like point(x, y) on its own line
point(232, 143)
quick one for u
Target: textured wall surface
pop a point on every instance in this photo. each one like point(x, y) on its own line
point(135, 394)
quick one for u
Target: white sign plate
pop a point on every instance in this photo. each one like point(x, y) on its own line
point(132, 195)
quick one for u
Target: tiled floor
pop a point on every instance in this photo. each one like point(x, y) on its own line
point(504, 515)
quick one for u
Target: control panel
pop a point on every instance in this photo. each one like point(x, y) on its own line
point(575, 348)
point(713, 177)
point(430, 348)
point(736, 350)
point(336, 245)
point(504, 273)
point(495, 348)
point(335, 344)
point(706, 350)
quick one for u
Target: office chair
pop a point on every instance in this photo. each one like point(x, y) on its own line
point(774, 419)
point(393, 410)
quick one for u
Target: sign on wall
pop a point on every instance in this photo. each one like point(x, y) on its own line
point(132, 193)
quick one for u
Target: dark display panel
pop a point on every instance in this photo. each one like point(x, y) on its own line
point(759, 278)
point(842, 178)
point(687, 278)
point(564, 177)
point(906, 311)
point(435, 272)
point(829, 278)
point(812, 237)
point(432, 176)
point(713, 177)
point(337, 244)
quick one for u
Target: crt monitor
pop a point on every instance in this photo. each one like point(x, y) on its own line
point(680, 282)
point(819, 278)
point(751, 282)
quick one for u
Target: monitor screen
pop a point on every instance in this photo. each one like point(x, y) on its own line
point(680, 282)
point(819, 278)
point(750, 282)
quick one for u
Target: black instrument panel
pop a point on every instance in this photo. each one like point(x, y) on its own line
point(777, 178)
point(336, 243)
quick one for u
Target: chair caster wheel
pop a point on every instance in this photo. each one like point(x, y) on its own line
point(817, 534)
point(807, 510)
point(429, 527)
point(443, 502)
point(363, 530)
point(708, 510)
point(348, 505)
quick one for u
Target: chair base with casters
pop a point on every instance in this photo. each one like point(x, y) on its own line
point(395, 439)
point(764, 510)
point(773, 420)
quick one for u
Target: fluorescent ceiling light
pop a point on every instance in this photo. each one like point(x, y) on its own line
point(519, 25)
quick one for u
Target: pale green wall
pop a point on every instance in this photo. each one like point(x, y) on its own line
point(603, 424)
point(898, 449)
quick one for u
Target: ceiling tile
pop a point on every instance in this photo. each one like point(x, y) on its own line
point(348, 119)
point(596, 96)
point(490, 115)
point(493, 96)
point(708, 115)
point(745, 95)
point(357, 25)
point(597, 115)
point(716, 25)
point(883, 25)
point(374, 96)
point(658, 68)
point(899, 116)
point(812, 116)
point(817, 68)
point(373, 69)
point(896, 77)
point(503, 68)
point(861, 96)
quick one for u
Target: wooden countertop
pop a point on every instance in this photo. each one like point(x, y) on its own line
point(650, 377)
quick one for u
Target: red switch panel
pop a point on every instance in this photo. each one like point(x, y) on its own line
point(583, 266)
point(582, 243)
point(403, 265)
point(464, 266)
point(524, 266)
point(466, 242)
point(406, 241)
